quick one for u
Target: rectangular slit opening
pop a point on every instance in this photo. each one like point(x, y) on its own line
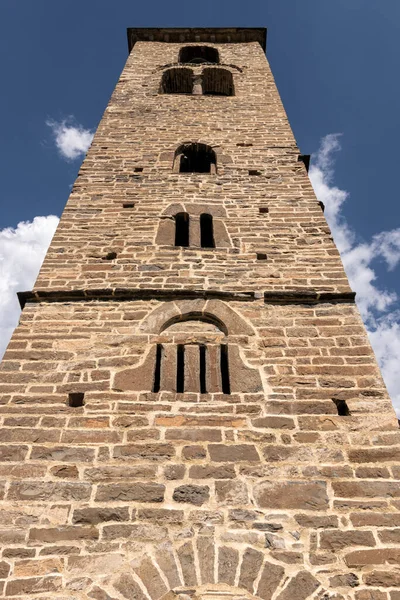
point(203, 374)
point(342, 408)
point(157, 369)
point(180, 369)
point(128, 205)
point(263, 209)
point(138, 169)
point(76, 399)
point(226, 386)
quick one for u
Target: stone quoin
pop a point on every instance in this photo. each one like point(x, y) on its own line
point(190, 406)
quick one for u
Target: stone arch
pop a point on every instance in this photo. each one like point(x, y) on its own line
point(202, 568)
point(168, 312)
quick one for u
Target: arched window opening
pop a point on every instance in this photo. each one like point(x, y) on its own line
point(196, 158)
point(177, 81)
point(157, 370)
point(218, 82)
point(182, 229)
point(198, 54)
point(206, 231)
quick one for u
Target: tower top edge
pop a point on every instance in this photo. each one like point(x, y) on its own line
point(214, 35)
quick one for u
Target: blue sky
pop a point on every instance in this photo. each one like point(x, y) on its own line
point(336, 64)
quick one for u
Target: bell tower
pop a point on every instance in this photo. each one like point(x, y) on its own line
point(190, 404)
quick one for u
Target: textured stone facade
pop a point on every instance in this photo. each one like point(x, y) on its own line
point(275, 474)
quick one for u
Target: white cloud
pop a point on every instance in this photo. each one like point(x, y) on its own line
point(377, 305)
point(71, 140)
point(22, 251)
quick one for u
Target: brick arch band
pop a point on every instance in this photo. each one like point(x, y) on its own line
point(201, 569)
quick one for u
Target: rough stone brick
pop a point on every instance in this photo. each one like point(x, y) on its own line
point(336, 540)
point(292, 494)
point(228, 560)
point(251, 564)
point(301, 586)
point(92, 516)
point(193, 494)
point(234, 453)
point(270, 579)
point(139, 492)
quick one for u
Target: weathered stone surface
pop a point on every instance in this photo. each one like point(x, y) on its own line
point(233, 453)
point(186, 559)
point(336, 540)
point(151, 578)
point(231, 493)
point(292, 494)
point(271, 577)
point(128, 588)
point(193, 494)
point(206, 554)
point(251, 564)
point(139, 492)
point(228, 560)
point(92, 516)
point(381, 556)
point(301, 586)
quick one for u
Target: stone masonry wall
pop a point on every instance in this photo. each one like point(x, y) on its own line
point(286, 488)
point(142, 128)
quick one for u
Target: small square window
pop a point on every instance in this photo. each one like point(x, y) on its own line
point(128, 205)
point(263, 209)
point(261, 256)
point(254, 172)
point(138, 169)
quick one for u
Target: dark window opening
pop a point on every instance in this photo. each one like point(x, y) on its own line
point(180, 369)
point(198, 54)
point(157, 369)
point(263, 209)
point(177, 81)
point(110, 256)
point(182, 230)
point(128, 205)
point(196, 158)
point(203, 372)
point(342, 408)
point(138, 169)
point(226, 386)
point(217, 82)
point(206, 231)
point(261, 256)
point(243, 144)
point(254, 172)
point(76, 399)
point(322, 205)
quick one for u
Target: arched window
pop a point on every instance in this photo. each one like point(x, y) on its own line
point(182, 229)
point(206, 231)
point(198, 54)
point(177, 81)
point(217, 82)
point(195, 158)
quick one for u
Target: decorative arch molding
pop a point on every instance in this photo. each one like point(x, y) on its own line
point(205, 569)
point(220, 365)
point(182, 310)
point(229, 66)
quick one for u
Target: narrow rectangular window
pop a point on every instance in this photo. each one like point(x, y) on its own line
point(157, 369)
point(226, 386)
point(180, 369)
point(206, 231)
point(182, 229)
point(203, 373)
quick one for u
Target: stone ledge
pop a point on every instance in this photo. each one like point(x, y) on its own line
point(126, 294)
point(213, 35)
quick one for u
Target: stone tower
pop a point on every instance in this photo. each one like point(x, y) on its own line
point(190, 404)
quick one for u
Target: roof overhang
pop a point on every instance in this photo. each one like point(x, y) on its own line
point(187, 35)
